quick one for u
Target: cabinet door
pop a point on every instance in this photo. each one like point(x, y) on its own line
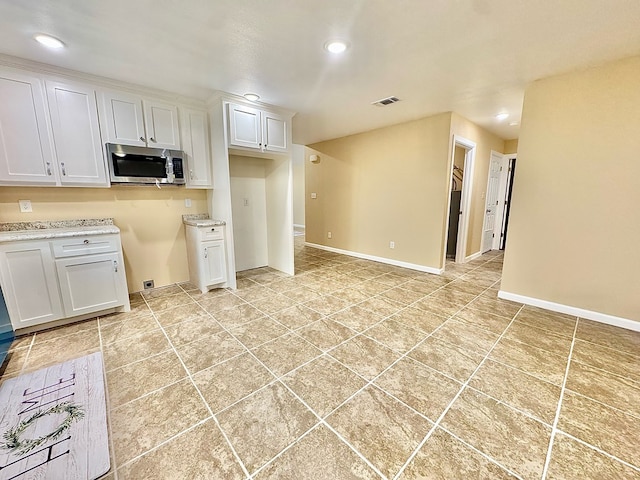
point(91, 283)
point(122, 117)
point(244, 127)
point(76, 134)
point(195, 143)
point(30, 284)
point(274, 133)
point(161, 120)
point(214, 262)
point(26, 153)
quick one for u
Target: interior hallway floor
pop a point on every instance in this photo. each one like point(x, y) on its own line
point(354, 369)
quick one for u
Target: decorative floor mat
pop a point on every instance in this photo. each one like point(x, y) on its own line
point(53, 423)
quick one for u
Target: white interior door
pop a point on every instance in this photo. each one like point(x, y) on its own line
point(493, 185)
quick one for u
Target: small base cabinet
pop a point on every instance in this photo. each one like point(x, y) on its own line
point(207, 257)
point(62, 278)
point(29, 283)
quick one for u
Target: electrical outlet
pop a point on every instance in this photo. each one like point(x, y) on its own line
point(246, 202)
point(328, 234)
point(187, 202)
point(25, 206)
point(392, 244)
point(147, 284)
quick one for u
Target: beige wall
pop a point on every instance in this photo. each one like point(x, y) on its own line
point(384, 185)
point(485, 142)
point(574, 230)
point(297, 159)
point(511, 146)
point(150, 222)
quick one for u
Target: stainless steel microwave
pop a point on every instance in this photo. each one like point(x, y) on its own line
point(141, 165)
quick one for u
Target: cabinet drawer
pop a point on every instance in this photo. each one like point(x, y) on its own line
point(211, 233)
point(87, 245)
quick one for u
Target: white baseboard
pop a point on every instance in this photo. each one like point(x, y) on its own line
point(473, 256)
point(578, 312)
point(298, 226)
point(388, 261)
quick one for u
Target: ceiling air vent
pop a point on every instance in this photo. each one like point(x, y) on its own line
point(385, 101)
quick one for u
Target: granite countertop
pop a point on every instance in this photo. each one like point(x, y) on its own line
point(11, 232)
point(201, 220)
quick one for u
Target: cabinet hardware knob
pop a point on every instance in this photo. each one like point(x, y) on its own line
point(64, 170)
point(153, 140)
point(86, 242)
point(49, 168)
point(142, 139)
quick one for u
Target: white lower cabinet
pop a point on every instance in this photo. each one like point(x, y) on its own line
point(90, 283)
point(30, 284)
point(207, 256)
point(215, 270)
point(47, 280)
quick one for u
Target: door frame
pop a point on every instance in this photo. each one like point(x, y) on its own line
point(465, 200)
point(499, 205)
point(502, 198)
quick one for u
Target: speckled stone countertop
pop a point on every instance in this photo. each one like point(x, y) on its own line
point(201, 220)
point(11, 232)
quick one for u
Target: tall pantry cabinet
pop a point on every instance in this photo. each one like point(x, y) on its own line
point(259, 134)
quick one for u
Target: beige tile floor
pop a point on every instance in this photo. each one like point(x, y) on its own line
point(355, 370)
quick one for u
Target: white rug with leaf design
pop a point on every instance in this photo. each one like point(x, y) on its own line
point(53, 423)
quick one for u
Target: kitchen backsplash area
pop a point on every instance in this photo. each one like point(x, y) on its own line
point(149, 219)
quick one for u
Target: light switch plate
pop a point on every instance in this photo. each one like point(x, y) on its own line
point(314, 195)
point(25, 206)
point(187, 202)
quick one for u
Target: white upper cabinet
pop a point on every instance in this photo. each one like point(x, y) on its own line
point(161, 120)
point(195, 143)
point(76, 132)
point(244, 127)
point(26, 153)
point(274, 128)
point(130, 120)
point(257, 129)
point(123, 119)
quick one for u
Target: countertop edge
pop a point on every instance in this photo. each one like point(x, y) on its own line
point(51, 233)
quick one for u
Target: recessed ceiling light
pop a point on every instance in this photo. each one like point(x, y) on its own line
point(48, 41)
point(502, 116)
point(336, 46)
point(513, 124)
point(252, 97)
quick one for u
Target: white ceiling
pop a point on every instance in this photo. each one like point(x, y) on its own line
point(474, 57)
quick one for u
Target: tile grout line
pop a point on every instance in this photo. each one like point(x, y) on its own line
point(599, 450)
point(369, 383)
point(554, 428)
point(190, 377)
point(446, 410)
point(480, 452)
point(164, 442)
point(114, 468)
point(279, 381)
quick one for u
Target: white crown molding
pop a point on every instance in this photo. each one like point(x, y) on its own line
point(98, 81)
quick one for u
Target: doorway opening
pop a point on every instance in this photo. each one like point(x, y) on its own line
point(504, 224)
point(461, 180)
